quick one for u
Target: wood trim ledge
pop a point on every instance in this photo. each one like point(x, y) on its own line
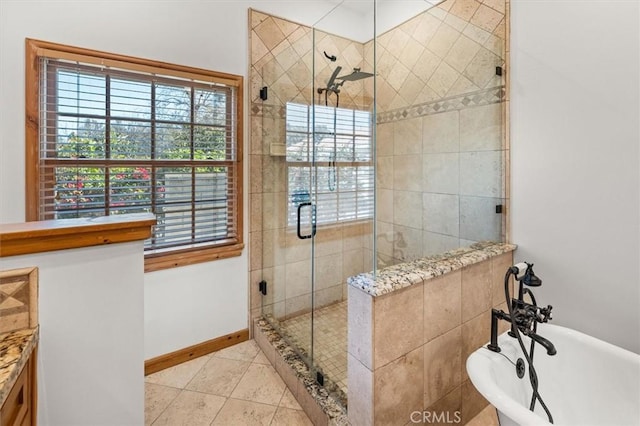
point(161, 362)
point(62, 234)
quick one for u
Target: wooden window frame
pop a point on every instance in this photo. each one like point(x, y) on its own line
point(35, 49)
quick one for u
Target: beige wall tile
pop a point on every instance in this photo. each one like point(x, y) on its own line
point(384, 172)
point(384, 238)
point(443, 40)
point(407, 209)
point(353, 235)
point(443, 79)
point(426, 65)
point(487, 18)
point(384, 205)
point(442, 365)
point(475, 333)
point(398, 319)
point(476, 289)
point(298, 278)
point(482, 69)
point(499, 266)
point(384, 138)
point(472, 401)
point(353, 264)
point(433, 243)
point(360, 326)
point(464, 9)
point(411, 52)
point(407, 172)
point(462, 52)
point(297, 305)
point(441, 213)
point(441, 132)
point(426, 27)
point(461, 86)
point(481, 128)
point(360, 392)
point(442, 304)
point(328, 271)
point(328, 240)
point(407, 137)
point(407, 244)
point(397, 76)
point(480, 173)
point(449, 405)
point(327, 296)
point(441, 173)
point(398, 388)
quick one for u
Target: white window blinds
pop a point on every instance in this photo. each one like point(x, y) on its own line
point(116, 141)
point(329, 162)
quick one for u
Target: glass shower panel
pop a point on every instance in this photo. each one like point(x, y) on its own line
point(343, 117)
point(287, 212)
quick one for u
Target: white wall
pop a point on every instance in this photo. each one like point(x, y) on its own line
point(90, 354)
point(575, 160)
point(183, 306)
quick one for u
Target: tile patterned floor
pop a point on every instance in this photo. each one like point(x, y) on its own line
point(330, 334)
point(235, 386)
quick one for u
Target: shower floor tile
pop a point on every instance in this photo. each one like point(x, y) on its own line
point(330, 335)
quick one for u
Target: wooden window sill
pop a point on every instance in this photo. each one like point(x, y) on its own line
point(190, 257)
point(50, 235)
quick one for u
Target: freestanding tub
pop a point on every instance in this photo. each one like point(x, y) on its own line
point(588, 382)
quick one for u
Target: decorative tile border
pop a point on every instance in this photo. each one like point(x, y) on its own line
point(403, 275)
point(259, 109)
point(480, 97)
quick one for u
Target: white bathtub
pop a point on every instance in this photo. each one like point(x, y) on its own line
point(588, 382)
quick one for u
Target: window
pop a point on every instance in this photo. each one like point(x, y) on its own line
point(342, 180)
point(119, 135)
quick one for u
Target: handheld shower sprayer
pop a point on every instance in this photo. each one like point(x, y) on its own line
point(524, 318)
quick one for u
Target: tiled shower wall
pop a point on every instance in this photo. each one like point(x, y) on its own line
point(440, 141)
point(282, 60)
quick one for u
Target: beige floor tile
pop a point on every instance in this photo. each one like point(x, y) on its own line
point(240, 413)
point(245, 351)
point(156, 399)
point(261, 359)
point(288, 417)
point(219, 376)
point(179, 375)
point(289, 401)
point(261, 383)
point(191, 409)
point(486, 417)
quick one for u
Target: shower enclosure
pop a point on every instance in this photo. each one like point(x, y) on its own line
point(376, 139)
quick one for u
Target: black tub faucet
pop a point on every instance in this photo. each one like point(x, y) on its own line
point(523, 316)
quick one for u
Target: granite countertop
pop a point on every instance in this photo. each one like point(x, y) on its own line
point(392, 278)
point(15, 349)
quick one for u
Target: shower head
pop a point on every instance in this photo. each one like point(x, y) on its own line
point(355, 75)
point(331, 84)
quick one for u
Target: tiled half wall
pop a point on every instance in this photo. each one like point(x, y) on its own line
point(407, 348)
